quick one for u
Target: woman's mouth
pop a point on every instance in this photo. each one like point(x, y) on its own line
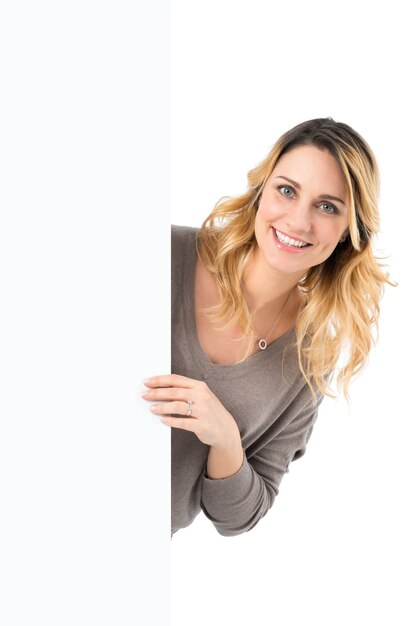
point(289, 242)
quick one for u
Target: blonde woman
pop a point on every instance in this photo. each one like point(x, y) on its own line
point(265, 296)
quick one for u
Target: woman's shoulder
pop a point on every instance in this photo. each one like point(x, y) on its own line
point(183, 243)
point(182, 233)
point(183, 252)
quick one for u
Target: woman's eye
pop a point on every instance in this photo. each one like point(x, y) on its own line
point(286, 191)
point(329, 208)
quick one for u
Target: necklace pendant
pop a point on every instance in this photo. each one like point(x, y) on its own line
point(262, 344)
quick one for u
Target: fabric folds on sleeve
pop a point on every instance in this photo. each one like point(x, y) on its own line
point(237, 503)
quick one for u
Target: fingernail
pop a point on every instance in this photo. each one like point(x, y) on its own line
point(144, 393)
point(153, 408)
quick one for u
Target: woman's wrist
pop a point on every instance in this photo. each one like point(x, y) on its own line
point(226, 460)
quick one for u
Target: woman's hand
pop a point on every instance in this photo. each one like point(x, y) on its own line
point(209, 419)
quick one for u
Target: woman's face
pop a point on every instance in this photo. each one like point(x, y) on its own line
point(302, 212)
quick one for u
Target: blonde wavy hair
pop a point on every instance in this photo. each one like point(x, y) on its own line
point(342, 293)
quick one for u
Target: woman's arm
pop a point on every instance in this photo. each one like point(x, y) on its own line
point(239, 486)
point(224, 461)
point(237, 503)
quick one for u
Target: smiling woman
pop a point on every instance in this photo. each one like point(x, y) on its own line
point(265, 295)
point(302, 222)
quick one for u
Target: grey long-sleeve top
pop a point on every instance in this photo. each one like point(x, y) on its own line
point(267, 396)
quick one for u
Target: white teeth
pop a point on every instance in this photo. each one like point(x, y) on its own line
point(288, 241)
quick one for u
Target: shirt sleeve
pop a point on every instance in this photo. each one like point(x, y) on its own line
point(237, 503)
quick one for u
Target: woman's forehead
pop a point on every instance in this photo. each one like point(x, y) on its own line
point(314, 167)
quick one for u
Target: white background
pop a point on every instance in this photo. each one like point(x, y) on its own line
point(338, 546)
point(84, 268)
point(85, 315)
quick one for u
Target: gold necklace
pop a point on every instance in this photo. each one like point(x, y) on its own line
point(262, 343)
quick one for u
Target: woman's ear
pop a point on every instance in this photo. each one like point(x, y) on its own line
point(344, 236)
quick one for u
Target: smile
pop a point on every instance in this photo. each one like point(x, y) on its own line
point(289, 241)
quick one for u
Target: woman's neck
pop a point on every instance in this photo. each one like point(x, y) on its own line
point(265, 288)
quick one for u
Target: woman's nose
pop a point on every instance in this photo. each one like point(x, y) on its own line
point(298, 218)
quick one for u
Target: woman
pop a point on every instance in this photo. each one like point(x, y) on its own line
point(265, 296)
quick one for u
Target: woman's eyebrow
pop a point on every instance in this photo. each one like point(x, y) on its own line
point(323, 195)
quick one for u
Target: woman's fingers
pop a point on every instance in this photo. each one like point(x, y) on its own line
point(170, 380)
point(185, 423)
point(173, 394)
point(179, 408)
point(168, 393)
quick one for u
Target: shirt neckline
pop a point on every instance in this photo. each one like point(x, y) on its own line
point(256, 360)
